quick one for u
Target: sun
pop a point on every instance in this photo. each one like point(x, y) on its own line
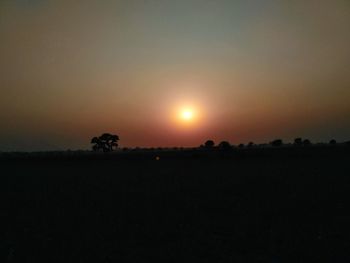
point(187, 114)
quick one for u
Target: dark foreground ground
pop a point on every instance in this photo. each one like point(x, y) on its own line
point(269, 205)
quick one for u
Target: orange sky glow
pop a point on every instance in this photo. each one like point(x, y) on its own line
point(172, 73)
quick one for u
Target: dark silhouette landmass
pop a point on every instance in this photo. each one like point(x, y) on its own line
point(272, 202)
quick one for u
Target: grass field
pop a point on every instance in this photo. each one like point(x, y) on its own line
point(248, 205)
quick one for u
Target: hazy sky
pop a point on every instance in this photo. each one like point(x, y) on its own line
point(252, 70)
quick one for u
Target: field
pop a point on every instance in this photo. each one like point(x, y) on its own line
point(248, 205)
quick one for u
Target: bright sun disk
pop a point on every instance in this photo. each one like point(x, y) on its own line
point(187, 115)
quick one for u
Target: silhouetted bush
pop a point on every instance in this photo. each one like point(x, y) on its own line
point(224, 146)
point(276, 143)
point(298, 142)
point(306, 142)
point(241, 145)
point(250, 144)
point(209, 144)
point(332, 142)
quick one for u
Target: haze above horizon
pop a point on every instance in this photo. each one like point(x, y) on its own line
point(172, 73)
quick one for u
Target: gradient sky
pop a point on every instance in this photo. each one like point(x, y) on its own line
point(255, 70)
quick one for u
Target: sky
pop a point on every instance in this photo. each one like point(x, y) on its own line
point(248, 70)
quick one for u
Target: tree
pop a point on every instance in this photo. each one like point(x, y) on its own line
point(241, 145)
point(209, 144)
point(250, 144)
point(224, 146)
point(332, 142)
point(277, 142)
point(306, 142)
point(298, 142)
point(106, 142)
point(97, 144)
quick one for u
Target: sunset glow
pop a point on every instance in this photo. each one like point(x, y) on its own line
point(166, 73)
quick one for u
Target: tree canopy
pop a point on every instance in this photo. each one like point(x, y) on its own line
point(106, 142)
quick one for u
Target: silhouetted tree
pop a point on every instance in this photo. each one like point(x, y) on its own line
point(106, 142)
point(224, 146)
point(97, 144)
point(298, 142)
point(306, 142)
point(277, 142)
point(332, 142)
point(250, 144)
point(241, 145)
point(209, 144)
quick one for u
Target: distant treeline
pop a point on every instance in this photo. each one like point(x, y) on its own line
point(109, 142)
